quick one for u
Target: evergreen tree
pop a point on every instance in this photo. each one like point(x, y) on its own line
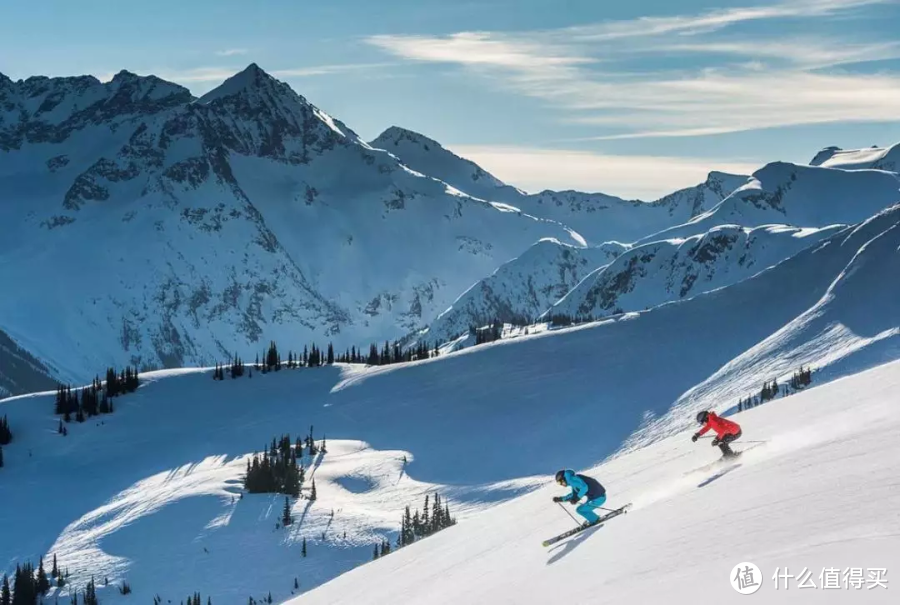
point(42, 583)
point(55, 571)
point(5, 594)
point(296, 584)
point(303, 548)
point(1, 457)
point(5, 433)
point(90, 594)
point(312, 493)
point(286, 518)
point(330, 359)
point(374, 555)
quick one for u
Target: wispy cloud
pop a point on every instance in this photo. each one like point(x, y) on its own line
point(758, 81)
point(630, 176)
point(324, 70)
point(232, 52)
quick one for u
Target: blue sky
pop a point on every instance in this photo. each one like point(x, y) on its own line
point(632, 98)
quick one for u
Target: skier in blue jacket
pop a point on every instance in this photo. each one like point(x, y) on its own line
point(582, 486)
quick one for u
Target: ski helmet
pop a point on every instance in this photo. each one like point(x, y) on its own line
point(702, 417)
point(561, 477)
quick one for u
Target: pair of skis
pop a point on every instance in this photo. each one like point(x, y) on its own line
point(581, 528)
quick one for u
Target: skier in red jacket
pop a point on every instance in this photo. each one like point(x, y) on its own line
point(726, 431)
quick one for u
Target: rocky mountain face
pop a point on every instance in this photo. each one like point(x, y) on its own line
point(141, 225)
point(669, 270)
point(521, 290)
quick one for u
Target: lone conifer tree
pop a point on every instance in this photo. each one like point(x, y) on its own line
point(286, 518)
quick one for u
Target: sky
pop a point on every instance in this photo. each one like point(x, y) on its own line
point(635, 98)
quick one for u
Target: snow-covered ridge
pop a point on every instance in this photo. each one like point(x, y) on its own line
point(803, 196)
point(596, 216)
point(874, 158)
point(523, 288)
point(668, 270)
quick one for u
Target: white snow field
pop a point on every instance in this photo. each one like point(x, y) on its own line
point(822, 495)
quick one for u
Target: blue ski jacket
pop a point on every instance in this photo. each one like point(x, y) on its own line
point(582, 486)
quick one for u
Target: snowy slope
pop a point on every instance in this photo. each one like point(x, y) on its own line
point(235, 219)
point(596, 216)
point(522, 289)
point(482, 426)
point(668, 270)
point(872, 158)
point(427, 156)
point(803, 196)
point(831, 450)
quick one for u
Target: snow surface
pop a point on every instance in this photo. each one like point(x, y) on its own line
point(144, 493)
point(821, 494)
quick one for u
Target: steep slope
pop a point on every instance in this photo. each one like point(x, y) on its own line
point(782, 193)
point(522, 289)
point(783, 508)
point(235, 219)
point(596, 216)
point(429, 157)
point(872, 158)
point(668, 270)
point(854, 325)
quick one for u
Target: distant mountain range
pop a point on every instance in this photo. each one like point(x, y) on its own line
point(141, 225)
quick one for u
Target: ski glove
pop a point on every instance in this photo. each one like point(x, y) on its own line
point(557, 498)
point(574, 500)
point(715, 442)
point(694, 437)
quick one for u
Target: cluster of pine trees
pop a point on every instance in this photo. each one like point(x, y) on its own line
point(276, 470)
point(193, 599)
point(29, 586)
point(434, 517)
point(489, 333)
point(252, 601)
point(771, 389)
point(97, 398)
point(801, 379)
point(394, 353)
point(560, 320)
point(236, 369)
point(313, 357)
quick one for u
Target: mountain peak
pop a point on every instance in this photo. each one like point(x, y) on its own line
point(253, 77)
point(395, 134)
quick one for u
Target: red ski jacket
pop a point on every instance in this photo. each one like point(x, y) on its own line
point(721, 426)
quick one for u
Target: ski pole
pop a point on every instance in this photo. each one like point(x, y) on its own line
point(568, 513)
point(749, 441)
